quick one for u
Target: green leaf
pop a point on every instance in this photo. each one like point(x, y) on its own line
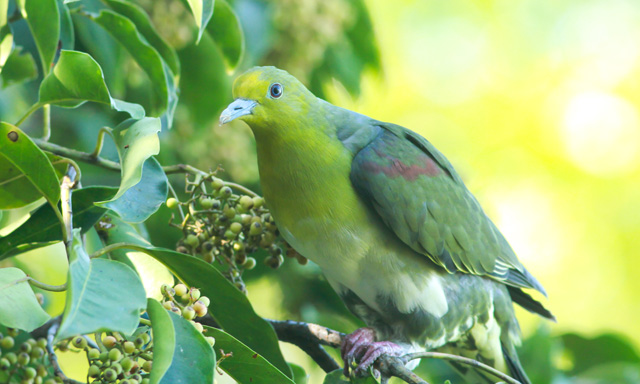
point(76, 79)
point(229, 307)
point(136, 141)
point(16, 190)
point(22, 157)
point(11, 219)
point(245, 366)
point(67, 35)
point(337, 377)
point(102, 295)
point(125, 32)
point(227, 33)
point(299, 374)
point(4, 7)
point(44, 23)
point(180, 353)
point(607, 348)
point(20, 307)
point(139, 202)
point(202, 11)
point(143, 24)
point(43, 227)
point(6, 45)
point(18, 68)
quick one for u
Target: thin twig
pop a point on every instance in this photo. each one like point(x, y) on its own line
point(68, 182)
point(462, 360)
point(53, 358)
point(39, 284)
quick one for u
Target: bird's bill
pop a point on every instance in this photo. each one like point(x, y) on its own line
point(239, 107)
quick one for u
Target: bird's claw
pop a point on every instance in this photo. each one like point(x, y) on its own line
point(361, 346)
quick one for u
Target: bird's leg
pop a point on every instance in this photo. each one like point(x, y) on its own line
point(361, 346)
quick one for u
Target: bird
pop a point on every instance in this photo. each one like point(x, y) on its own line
point(392, 226)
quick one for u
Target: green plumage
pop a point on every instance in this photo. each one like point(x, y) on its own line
point(389, 221)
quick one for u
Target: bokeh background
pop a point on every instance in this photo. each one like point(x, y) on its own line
point(536, 104)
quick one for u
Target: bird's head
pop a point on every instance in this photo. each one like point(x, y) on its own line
point(268, 97)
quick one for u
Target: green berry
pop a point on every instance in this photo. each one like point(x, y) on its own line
point(109, 342)
point(274, 261)
point(176, 310)
point(240, 257)
point(182, 249)
point(104, 357)
point(117, 367)
point(94, 354)
point(229, 235)
point(50, 381)
point(136, 377)
point(198, 326)
point(229, 212)
point(255, 228)
point(250, 263)
point(225, 192)
point(79, 342)
point(217, 183)
point(12, 357)
point(115, 354)
point(94, 371)
point(207, 246)
point(167, 290)
point(110, 375)
point(125, 381)
point(146, 337)
point(128, 347)
point(192, 240)
point(258, 202)
point(25, 347)
point(139, 342)
point(37, 352)
point(200, 309)
point(181, 289)
point(167, 305)
point(42, 371)
point(235, 228)
point(30, 372)
point(42, 343)
point(7, 342)
point(23, 358)
point(206, 203)
point(13, 332)
point(194, 294)
point(4, 364)
point(204, 300)
point(208, 257)
point(147, 366)
point(188, 313)
point(126, 364)
point(246, 202)
point(210, 340)
point(172, 203)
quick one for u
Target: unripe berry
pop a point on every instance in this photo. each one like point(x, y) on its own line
point(229, 212)
point(94, 371)
point(200, 309)
point(139, 342)
point(37, 380)
point(79, 342)
point(176, 310)
point(180, 289)
point(146, 337)
point(274, 262)
point(50, 381)
point(188, 313)
point(109, 342)
point(94, 354)
point(206, 203)
point(240, 257)
point(194, 294)
point(198, 326)
point(4, 364)
point(115, 354)
point(192, 240)
point(172, 203)
point(229, 235)
point(110, 375)
point(167, 305)
point(246, 202)
point(13, 332)
point(167, 290)
point(208, 257)
point(104, 357)
point(12, 357)
point(258, 202)
point(235, 228)
point(25, 347)
point(7, 342)
point(217, 183)
point(207, 246)
point(147, 366)
point(23, 358)
point(42, 343)
point(255, 228)
point(204, 300)
point(36, 352)
point(136, 377)
point(249, 264)
point(128, 347)
point(125, 381)
point(246, 220)
point(301, 259)
point(185, 299)
point(30, 372)
point(126, 364)
point(42, 371)
point(117, 367)
point(210, 340)
point(225, 192)
point(182, 249)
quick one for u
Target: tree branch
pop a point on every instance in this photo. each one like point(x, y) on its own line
point(48, 331)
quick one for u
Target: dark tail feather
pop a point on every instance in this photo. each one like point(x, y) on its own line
point(517, 372)
point(529, 303)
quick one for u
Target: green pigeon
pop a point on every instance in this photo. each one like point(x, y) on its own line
point(392, 226)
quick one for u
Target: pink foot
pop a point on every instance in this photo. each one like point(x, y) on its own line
point(361, 346)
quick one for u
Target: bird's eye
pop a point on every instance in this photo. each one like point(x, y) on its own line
point(275, 90)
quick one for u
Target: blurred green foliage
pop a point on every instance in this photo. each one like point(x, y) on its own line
point(535, 104)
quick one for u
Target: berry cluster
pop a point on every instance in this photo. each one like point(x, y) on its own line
point(117, 359)
point(225, 227)
point(186, 302)
point(27, 362)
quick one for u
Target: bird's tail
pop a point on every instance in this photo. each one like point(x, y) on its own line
point(513, 363)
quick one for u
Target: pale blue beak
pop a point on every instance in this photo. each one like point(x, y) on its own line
point(239, 107)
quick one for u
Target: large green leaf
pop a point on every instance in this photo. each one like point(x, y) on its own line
point(18, 68)
point(76, 79)
point(20, 308)
point(140, 201)
point(180, 353)
point(16, 190)
point(43, 227)
point(126, 33)
point(102, 295)
point(245, 366)
point(229, 307)
point(11, 219)
point(202, 11)
point(227, 33)
point(603, 349)
point(6, 45)
point(136, 141)
point(299, 374)
point(42, 17)
point(4, 7)
point(20, 156)
point(143, 24)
